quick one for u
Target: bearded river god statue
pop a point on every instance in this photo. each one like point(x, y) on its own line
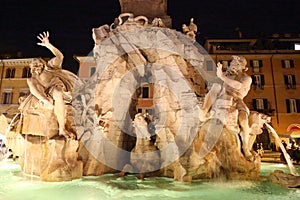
point(182, 138)
point(45, 142)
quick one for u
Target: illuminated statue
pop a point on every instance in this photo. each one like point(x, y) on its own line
point(50, 85)
point(191, 29)
point(228, 97)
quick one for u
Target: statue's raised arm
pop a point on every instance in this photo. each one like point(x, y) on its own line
point(55, 62)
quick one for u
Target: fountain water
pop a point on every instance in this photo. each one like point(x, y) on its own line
point(15, 186)
point(286, 155)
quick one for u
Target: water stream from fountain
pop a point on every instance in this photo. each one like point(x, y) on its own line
point(286, 155)
point(11, 122)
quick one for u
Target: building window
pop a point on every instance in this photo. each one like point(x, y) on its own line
point(256, 65)
point(10, 73)
point(145, 92)
point(24, 92)
point(26, 72)
point(7, 97)
point(260, 104)
point(209, 65)
point(92, 70)
point(290, 81)
point(287, 64)
point(258, 80)
point(150, 111)
point(293, 105)
point(225, 63)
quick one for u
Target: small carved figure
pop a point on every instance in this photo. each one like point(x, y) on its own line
point(144, 157)
point(230, 95)
point(100, 34)
point(158, 22)
point(190, 30)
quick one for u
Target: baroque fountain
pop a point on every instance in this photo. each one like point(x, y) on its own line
point(68, 129)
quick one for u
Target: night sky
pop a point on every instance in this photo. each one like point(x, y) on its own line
point(70, 22)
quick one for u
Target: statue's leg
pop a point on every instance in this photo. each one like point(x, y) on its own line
point(252, 139)
point(245, 134)
point(60, 111)
point(209, 100)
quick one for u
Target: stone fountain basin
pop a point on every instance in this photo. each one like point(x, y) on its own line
point(14, 185)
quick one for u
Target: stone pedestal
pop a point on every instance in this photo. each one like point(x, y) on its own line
point(148, 8)
point(52, 160)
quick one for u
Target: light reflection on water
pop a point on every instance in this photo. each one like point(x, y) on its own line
point(15, 186)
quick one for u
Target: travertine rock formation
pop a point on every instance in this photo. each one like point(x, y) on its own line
point(109, 134)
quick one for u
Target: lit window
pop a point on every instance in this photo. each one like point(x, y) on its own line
point(293, 105)
point(145, 92)
point(287, 63)
point(26, 72)
point(260, 104)
point(10, 73)
point(290, 81)
point(145, 110)
point(258, 80)
point(7, 97)
point(256, 64)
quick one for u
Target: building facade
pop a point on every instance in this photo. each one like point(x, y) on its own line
point(274, 66)
point(13, 82)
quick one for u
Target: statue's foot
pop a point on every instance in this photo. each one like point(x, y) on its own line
point(68, 135)
point(141, 176)
point(249, 156)
point(122, 174)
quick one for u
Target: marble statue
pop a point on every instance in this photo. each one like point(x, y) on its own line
point(284, 179)
point(43, 135)
point(144, 156)
point(50, 86)
point(158, 22)
point(100, 34)
point(229, 95)
point(191, 29)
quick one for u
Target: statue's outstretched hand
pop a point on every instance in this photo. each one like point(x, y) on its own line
point(44, 38)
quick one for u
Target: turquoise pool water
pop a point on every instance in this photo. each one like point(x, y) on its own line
point(15, 186)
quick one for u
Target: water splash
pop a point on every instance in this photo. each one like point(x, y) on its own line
point(286, 155)
point(12, 122)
